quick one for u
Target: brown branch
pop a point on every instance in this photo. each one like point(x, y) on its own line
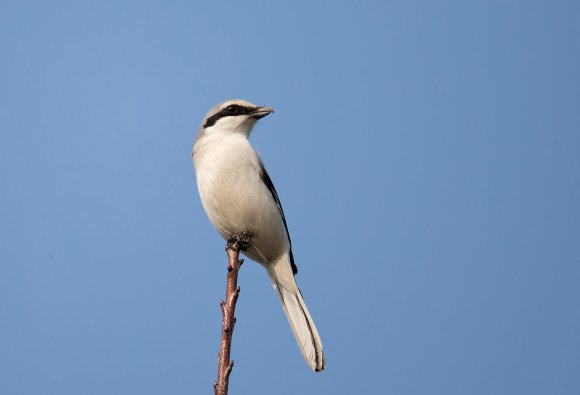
point(233, 247)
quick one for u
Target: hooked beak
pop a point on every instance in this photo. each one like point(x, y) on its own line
point(260, 112)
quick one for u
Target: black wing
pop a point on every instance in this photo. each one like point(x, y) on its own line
point(268, 181)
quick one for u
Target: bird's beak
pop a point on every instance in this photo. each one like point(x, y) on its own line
point(260, 112)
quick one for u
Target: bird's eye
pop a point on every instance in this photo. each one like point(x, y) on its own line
point(231, 110)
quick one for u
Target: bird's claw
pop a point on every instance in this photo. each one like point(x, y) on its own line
point(240, 240)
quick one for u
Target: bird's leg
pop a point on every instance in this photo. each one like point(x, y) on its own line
point(243, 239)
point(240, 240)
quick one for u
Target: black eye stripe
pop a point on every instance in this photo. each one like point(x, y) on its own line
point(229, 111)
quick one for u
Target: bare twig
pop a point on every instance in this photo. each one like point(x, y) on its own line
point(233, 247)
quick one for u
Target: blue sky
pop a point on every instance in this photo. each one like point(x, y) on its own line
point(426, 154)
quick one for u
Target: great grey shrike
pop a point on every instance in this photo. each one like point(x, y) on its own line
point(238, 196)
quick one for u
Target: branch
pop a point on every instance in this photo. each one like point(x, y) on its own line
point(233, 246)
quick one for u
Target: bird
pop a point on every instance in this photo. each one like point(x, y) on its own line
point(239, 197)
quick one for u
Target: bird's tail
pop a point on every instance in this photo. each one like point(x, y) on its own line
point(298, 316)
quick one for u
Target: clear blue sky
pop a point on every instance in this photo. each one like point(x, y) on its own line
point(427, 155)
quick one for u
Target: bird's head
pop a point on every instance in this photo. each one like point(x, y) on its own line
point(233, 116)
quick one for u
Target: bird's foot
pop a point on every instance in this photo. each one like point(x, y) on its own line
point(240, 240)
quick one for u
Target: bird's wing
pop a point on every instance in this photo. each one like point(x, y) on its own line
point(268, 182)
